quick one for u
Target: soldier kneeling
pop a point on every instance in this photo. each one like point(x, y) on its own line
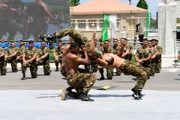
point(43, 58)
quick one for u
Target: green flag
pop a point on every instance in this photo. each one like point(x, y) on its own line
point(105, 29)
point(144, 5)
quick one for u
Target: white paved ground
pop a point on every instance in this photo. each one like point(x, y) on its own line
point(108, 105)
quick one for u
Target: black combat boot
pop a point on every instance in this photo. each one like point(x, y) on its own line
point(71, 93)
point(85, 97)
point(24, 76)
point(136, 94)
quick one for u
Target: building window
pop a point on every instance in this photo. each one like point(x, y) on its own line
point(101, 23)
point(73, 23)
point(92, 24)
point(118, 24)
point(81, 24)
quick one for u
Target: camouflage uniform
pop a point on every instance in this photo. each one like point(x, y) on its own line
point(93, 62)
point(2, 62)
point(152, 61)
point(144, 53)
point(125, 49)
point(81, 82)
point(20, 53)
point(109, 70)
point(12, 60)
point(29, 53)
point(116, 47)
point(45, 61)
point(129, 68)
point(58, 52)
point(158, 59)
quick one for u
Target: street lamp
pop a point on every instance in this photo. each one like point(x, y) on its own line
point(129, 2)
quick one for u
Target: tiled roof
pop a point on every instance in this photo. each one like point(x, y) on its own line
point(104, 7)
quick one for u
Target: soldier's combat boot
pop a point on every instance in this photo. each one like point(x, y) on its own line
point(136, 94)
point(85, 97)
point(71, 93)
point(63, 94)
point(24, 76)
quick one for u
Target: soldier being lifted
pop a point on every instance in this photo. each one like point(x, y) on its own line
point(29, 60)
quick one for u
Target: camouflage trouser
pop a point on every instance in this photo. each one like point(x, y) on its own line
point(152, 67)
point(62, 69)
point(101, 71)
point(33, 69)
point(13, 64)
point(81, 82)
point(57, 63)
point(118, 71)
point(109, 72)
point(130, 68)
point(46, 66)
point(3, 69)
point(158, 67)
point(94, 66)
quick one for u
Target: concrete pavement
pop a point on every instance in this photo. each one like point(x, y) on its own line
point(39, 99)
point(112, 104)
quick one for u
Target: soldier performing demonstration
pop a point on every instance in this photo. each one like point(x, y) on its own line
point(80, 51)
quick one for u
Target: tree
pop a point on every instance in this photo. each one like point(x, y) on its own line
point(142, 4)
point(74, 2)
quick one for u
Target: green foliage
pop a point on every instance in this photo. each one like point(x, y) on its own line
point(74, 2)
point(154, 23)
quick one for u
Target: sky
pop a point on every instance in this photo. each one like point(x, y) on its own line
point(153, 5)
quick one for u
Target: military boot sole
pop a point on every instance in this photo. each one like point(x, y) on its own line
point(63, 94)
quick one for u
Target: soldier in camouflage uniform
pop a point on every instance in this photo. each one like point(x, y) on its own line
point(157, 57)
point(81, 82)
point(2, 62)
point(143, 55)
point(125, 50)
point(29, 60)
point(107, 49)
point(93, 62)
point(11, 55)
point(116, 47)
point(109, 60)
point(153, 55)
point(43, 58)
point(21, 50)
point(58, 55)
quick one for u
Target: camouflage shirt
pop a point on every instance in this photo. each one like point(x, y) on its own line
point(43, 51)
point(143, 53)
point(21, 50)
point(11, 51)
point(1, 51)
point(58, 51)
point(29, 53)
point(109, 50)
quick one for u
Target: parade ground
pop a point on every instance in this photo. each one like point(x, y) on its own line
point(40, 99)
